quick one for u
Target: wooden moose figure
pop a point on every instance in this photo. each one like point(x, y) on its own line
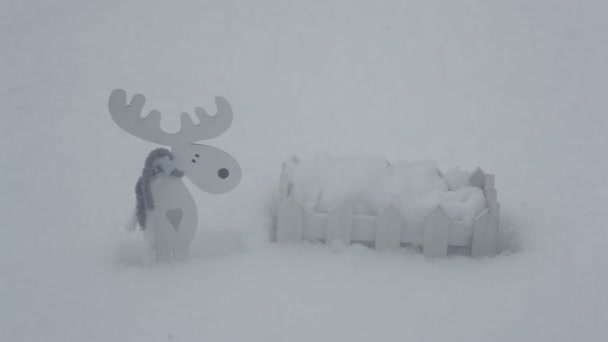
point(165, 210)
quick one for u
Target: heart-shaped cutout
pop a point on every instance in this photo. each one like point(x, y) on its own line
point(175, 217)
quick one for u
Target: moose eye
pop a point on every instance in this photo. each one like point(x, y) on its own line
point(223, 173)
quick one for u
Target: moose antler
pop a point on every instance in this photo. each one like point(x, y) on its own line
point(128, 117)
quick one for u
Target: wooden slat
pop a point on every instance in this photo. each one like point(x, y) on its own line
point(485, 235)
point(283, 187)
point(489, 182)
point(495, 208)
point(340, 224)
point(491, 197)
point(436, 234)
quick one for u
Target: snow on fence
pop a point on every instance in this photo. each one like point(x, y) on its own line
point(435, 234)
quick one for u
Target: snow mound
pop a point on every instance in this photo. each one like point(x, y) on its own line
point(371, 184)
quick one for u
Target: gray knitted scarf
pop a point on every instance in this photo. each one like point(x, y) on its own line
point(159, 160)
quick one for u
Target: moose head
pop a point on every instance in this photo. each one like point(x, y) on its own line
point(209, 168)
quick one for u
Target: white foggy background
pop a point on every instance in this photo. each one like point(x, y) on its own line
point(515, 87)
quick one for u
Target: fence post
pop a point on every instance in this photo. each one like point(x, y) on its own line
point(388, 229)
point(485, 235)
point(489, 182)
point(491, 195)
point(283, 187)
point(290, 221)
point(339, 223)
point(436, 234)
point(477, 178)
point(495, 208)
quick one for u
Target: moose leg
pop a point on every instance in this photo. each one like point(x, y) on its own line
point(161, 234)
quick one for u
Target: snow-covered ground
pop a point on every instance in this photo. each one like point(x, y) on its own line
point(517, 87)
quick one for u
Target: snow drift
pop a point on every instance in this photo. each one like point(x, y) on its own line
point(371, 184)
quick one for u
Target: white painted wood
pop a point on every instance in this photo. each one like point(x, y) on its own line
point(485, 235)
point(460, 234)
point(202, 165)
point(172, 224)
point(340, 224)
point(436, 234)
point(209, 168)
point(495, 208)
point(364, 228)
point(477, 178)
point(491, 197)
point(314, 227)
point(128, 116)
point(388, 231)
point(283, 187)
point(290, 221)
point(489, 182)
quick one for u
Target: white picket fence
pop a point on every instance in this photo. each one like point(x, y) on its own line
point(435, 234)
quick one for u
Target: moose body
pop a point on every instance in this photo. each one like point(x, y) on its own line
point(166, 210)
point(171, 226)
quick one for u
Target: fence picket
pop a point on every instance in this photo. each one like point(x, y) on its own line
point(290, 221)
point(485, 234)
point(495, 208)
point(436, 234)
point(489, 182)
point(283, 187)
point(339, 223)
point(388, 230)
point(491, 197)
